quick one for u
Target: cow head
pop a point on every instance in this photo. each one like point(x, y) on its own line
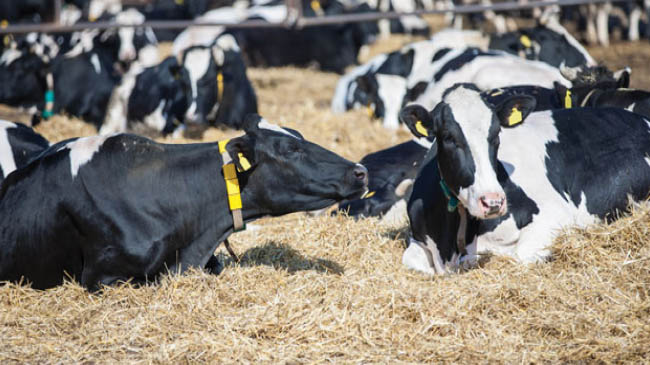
point(22, 80)
point(288, 173)
point(557, 45)
point(467, 129)
point(174, 82)
point(382, 95)
point(587, 79)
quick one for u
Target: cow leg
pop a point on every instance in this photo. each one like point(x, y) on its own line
point(633, 29)
point(602, 19)
point(592, 37)
point(533, 245)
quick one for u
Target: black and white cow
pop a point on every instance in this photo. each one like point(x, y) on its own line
point(391, 174)
point(550, 43)
point(157, 96)
point(221, 92)
point(386, 92)
point(503, 180)
point(108, 215)
point(19, 144)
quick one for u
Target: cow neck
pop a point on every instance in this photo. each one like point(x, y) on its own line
point(232, 186)
point(49, 97)
point(453, 205)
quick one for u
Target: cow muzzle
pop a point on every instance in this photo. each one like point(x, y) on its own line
point(492, 205)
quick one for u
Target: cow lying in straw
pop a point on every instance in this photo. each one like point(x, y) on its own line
point(104, 209)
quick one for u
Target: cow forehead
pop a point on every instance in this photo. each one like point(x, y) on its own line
point(469, 111)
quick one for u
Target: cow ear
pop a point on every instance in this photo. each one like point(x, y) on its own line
point(418, 120)
point(515, 109)
point(242, 152)
point(564, 95)
point(623, 78)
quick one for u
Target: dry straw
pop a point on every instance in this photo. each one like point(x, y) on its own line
point(333, 290)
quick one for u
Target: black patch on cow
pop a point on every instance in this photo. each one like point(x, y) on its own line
point(440, 54)
point(415, 92)
point(25, 143)
point(461, 60)
point(397, 63)
point(604, 149)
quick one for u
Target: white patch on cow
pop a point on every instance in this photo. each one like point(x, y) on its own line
point(647, 160)
point(423, 142)
point(148, 55)
point(82, 42)
point(82, 151)
point(396, 215)
point(7, 162)
point(197, 62)
point(345, 87)
point(501, 241)
point(156, 120)
point(456, 38)
point(412, 23)
point(98, 7)
point(205, 36)
point(556, 27)
point(272, 14)
point(631, 107)
point(264, 124)
point(415, 257)
point(228, 43)
point(402, 187)
point(70, 14)
point(9, 56)
point(475, 119)
point(94, 59)
point(391, 90)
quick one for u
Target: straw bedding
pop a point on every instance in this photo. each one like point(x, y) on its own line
point(333, 290)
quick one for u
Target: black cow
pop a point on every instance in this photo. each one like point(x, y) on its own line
point(105, 212)
point(222, 94)
point(158, 96)
point(19, 144)
point(27, 11)
point(391, 173)
point(503, 180)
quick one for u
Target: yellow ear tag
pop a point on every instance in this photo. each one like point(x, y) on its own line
point(315, 6)
point(220, 85)
point(6, 40)
point(525, 41)
point(369, 194)
point(4, 23)
point(371, 112)
point(243, 161)
point(179, 2)
point(515, 117)
point(420, 128)
point(567, 99)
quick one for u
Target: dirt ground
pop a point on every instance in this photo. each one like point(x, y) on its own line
point(333, 290)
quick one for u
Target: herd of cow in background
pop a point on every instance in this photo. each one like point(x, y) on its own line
point(517, 134)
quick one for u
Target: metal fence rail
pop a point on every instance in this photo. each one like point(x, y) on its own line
point(294, 18)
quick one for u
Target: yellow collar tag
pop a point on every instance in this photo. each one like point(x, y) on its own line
point(232, 184)
point(567, 100)
point(370, 110)
point(369, 194)
point(525, 41)
point(220, 85)
point(4, 23)
point(420, 128)
point(515, 117)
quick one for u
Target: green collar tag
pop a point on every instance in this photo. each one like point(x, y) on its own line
point(49, 104)
point(453, 201)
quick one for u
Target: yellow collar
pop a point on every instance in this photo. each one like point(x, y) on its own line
point(232, 187)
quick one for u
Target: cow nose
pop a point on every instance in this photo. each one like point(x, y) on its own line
point(493, 204)
point(360, 174)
